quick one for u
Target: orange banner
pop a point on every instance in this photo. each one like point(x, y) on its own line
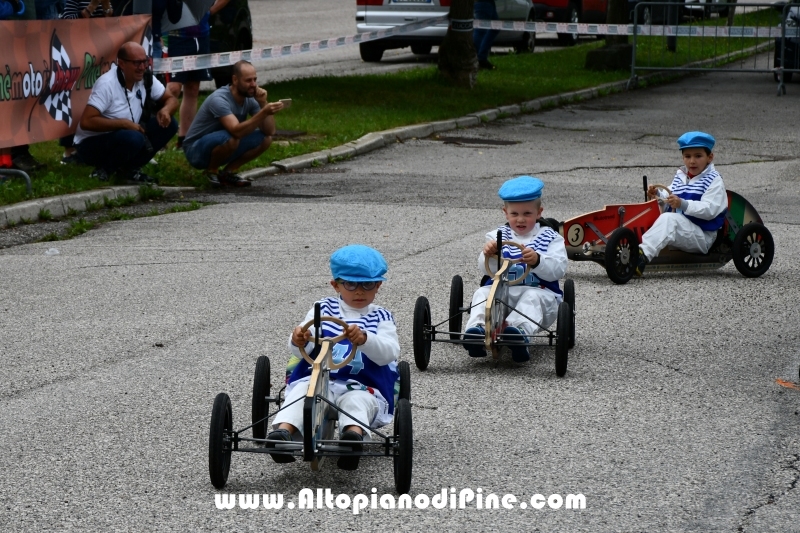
point(48, 68)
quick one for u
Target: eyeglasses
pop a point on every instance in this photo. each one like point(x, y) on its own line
point(138, 63)
point(353, 285)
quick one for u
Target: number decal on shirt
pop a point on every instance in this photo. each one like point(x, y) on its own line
point(340, 352)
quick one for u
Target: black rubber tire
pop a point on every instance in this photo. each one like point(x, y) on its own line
point(569, 39)
point(622, 253)
point(403, 457)
point(404, 369)
point(456, 303)
point(260, 407)
point(422, 341)
point(370, 52)
point(219, 460)
point(527, 44)
point(753, 250)
point(421, 49)
point(562, 338)
point(569, 298)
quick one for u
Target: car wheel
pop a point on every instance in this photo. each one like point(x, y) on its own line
point(260, 407)
point(569, 39)
point(569, 297)
point(219, 459)
point(753, 250)
point(404, 369)
point(370, 52)
point(562, 338)
point(421, 339)
point(419, 49)
point(456, 303)
point(622, 253)
point(403, 455)
point(527, 43)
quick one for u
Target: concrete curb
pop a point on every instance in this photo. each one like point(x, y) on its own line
point(60, 206)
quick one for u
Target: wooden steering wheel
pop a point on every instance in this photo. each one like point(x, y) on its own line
point(512, 261)
point(662, 187)
point(330, 340)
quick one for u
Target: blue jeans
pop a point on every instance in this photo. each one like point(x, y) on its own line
point(125, 149)
point(199, 152)
point(483, 39)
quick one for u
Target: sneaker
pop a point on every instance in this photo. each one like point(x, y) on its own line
point(476, 333)
point(70, 159)
point(519, 352)
point(137, 177)
point(212, 178)
point(350, 462)
point(229, 179)
point(485, 65)
point(26, 163)
point(280, 434)
point(99, 174)
point(641, 263)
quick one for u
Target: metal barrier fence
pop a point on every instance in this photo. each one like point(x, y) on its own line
point(759, 39)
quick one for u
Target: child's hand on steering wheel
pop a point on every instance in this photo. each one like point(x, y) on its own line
point(355, 335)
point(300, 337)
point(529, 256)
point(490, 248)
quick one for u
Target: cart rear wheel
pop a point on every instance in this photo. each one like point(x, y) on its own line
point(404, 369)
point(422, 339)
point(405, 446)
point(261, 387)
point(219, 459)
point(562, 338)
point(456, 303)
point(569, 297)
point(622, 253)
point(753, 250)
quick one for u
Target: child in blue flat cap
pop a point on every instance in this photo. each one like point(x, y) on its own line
point(365, 387)
point(696, 208)
point(537, 297)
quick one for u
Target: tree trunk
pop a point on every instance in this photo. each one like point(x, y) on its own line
point(458, 61)
point(617, 14)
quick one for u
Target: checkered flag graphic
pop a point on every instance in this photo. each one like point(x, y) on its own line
point(59, 103)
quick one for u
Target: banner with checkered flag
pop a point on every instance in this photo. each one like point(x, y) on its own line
point(57, 97)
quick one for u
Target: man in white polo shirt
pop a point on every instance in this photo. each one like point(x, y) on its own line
point(118, 132)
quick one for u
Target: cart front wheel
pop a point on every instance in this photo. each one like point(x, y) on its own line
point(753, 250)
point(562, 338)
point(404, 369)
point(456, 303)
point(405, 446)
point(421, 333)
point(622, 253)
point(261, 387)
point(219, 455)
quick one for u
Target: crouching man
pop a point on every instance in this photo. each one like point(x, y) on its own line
point(118, 132)
point(221, 135)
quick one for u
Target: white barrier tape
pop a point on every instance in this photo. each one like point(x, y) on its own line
point(258, 55)
point(461, 24)
point(627, 29)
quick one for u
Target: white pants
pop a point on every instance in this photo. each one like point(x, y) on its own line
point(540, 305)
point(674, 229)
point(359, 403)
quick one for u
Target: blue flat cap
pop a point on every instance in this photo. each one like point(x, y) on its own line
point(357, 262)
point(521, 189)
point(696, 139)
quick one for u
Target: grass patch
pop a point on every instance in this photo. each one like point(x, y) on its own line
point(79, 227)
point(45, 215)
point(325, 109)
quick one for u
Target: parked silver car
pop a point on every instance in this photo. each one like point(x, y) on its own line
point(373, 15)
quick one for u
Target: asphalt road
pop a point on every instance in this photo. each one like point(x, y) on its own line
point(668, 419)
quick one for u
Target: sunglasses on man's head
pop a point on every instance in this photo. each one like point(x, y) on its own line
point(353, 285)
point(136, 62)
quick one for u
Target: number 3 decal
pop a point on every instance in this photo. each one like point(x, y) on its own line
point(575, 234)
